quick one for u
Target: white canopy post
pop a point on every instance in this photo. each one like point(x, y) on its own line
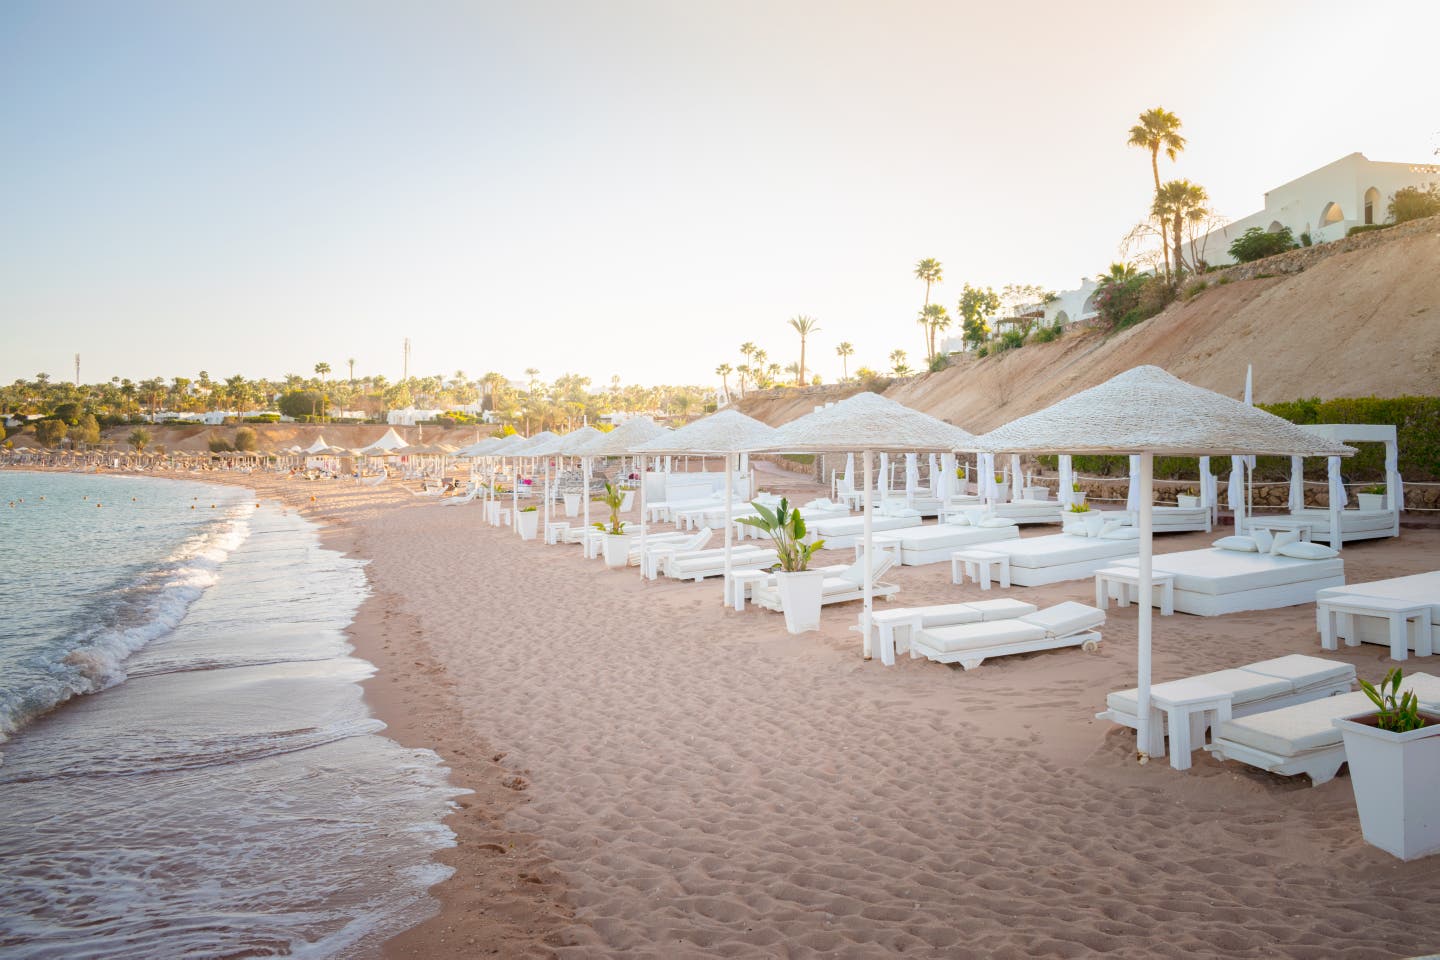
point(865, 614)
point(731, 461)
point(1132, 491)
point(1016, 492)
point(1150, 742)
point(1067, 483)
point(883, 485)
point(1296, 500)
point(1235, 492)
point(1337, 502)
point(1394, 485)
point(912, 478)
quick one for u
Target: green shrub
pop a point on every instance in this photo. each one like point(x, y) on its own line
point(982, 351)
point(939, 362)
point(1047, 334)
point(246, 440)
point(50, 432)
point(1258, 243)
point(301, 403)
point(264, 418)
point(1413, 203)
point(1193, 289)
point(220, 445)
point(1305, 240)
point(1366, 228)
point(1009, 340)
point(1221, 281)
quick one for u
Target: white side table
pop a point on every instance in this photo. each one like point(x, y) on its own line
point(1124, 579)
point(1183, 706)
point(981, 565)
point(1337, 612)
point(555, 530)
point(738, 587)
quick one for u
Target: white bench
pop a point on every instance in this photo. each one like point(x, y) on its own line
point(1397, 612)
point(979, 564)
point(737, 588)
point(1124, 579)
point(884, 543)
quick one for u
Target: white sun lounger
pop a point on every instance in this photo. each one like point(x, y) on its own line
point(895, 626)
point(1067, 624)
point(650, 562)
point(1303, 738)
point(839, 586)
point(1254, 688)
point(712, 563)
point(1211, 581)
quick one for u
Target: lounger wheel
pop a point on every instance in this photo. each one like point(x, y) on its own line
point(1090, 646)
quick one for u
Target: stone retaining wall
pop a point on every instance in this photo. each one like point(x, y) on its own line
point(1297, 261)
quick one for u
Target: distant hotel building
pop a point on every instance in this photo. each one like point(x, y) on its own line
point(1324, 203)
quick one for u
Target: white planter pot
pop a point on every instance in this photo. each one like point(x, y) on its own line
point(1187, 502)
point(615, 547)
point(572, 504)
point(628, 499)
point(800, 598)
point(1037, 493)
point(1077, 497)
point(1396, 777)
point(491, 507)
point(1371, 501)
point(529, 524)
point(1002, 492)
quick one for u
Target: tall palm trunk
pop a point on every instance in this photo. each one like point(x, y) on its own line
point(1177, 246)
point(801, 379)
point(929, 331)
point(1155, 170)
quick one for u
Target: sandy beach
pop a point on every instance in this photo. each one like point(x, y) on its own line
point(658, 776)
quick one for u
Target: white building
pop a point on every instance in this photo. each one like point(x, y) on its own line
point(1324, 203)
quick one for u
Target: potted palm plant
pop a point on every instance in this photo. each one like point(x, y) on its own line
point(529, 522)
point(1394, 756)
point(616, 545)
point(1372, 497)
point(1189, 499)
point(798, 585)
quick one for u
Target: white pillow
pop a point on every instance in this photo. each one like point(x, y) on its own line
point(1239, 544)
point(1303, 550)
point(975, 515)
point(958, 519)
point(1109, 527)
point(1094, 523)
point(997, 522)
point(1122, 533)
point(1283, 539)
point(1264, 539)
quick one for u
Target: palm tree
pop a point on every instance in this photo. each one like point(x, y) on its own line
point(930, 271)
point(139, 439)
point(351, 363)
point(804, 326)
point(723, 372)
point(845, 351)
point(1158, 129)
point(898, 364)
point(1118, 273)
point(1176, 202)
point(934, 318)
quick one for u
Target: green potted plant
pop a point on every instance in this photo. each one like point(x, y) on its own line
point(1394, 756)
point(799, 586)
point(1079, 508)
point(616, 546)
point(1372, 497)
point(529, 522)
point(1188, 498)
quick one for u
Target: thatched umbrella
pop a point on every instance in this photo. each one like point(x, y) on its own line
point(1146, 411)
point(867, 422)
point(546, 445)
point(624, 439)
point(516, 452)
point(728, 434)
point(573, 445)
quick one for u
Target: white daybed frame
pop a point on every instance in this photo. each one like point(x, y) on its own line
point(1419, 587)
point(1039, 576)
point(1295, 592)
point(918, 545)
point(1337, 525)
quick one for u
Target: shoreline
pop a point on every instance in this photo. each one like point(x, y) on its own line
point(503, 897)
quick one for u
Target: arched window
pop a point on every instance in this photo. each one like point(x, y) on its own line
point(1372, 204)
point(1062, 318)
point(1275, 227)
point(1331, 214)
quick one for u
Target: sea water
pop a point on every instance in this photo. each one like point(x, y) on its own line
point(189, 768)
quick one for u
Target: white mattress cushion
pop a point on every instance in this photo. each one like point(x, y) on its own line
point(1238, 544)
point(1427, 690)
point(948, 613)
point(855, 526)
point(1120, 533)
point(1062, 548)
point(1220, 572)
point(1303, 727)
point(1303, 671)
point(978, 636)
point(942, 536)
point(1002, 608)
point(994, 522)
point(1244, 687)
point(1066, 618)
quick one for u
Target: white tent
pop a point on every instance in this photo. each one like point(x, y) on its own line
point(389, 441)
point(867, 422)
point(1146, 411)
point(318, 445)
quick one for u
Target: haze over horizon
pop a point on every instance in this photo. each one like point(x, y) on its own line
point(629, 188)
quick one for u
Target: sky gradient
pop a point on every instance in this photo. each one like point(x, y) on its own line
point(623, 188)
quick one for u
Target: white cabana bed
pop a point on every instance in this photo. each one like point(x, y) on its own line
point(1057, 557)
point(934, 543)
point(1212, 582)
point(1351, 523)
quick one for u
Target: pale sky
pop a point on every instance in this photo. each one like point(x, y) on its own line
point(624, 188)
